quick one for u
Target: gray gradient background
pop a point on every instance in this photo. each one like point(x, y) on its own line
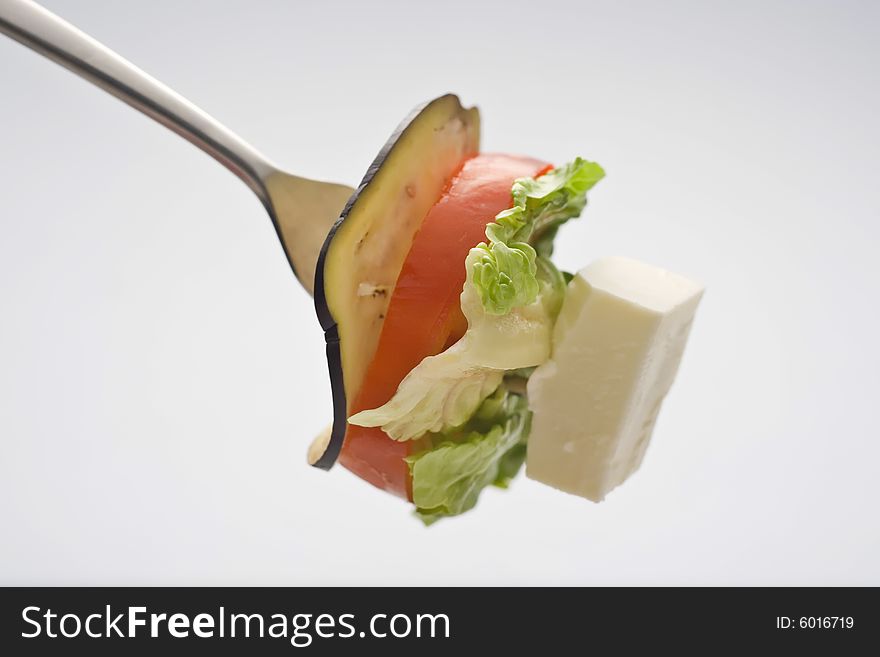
point(161, 372)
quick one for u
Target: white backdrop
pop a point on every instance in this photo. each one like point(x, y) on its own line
point(161, 372)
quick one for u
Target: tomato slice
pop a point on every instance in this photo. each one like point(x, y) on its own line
point(424, 315)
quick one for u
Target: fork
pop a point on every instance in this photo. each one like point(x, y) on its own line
point(302, 210)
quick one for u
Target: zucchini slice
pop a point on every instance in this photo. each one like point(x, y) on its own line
point(364, 252)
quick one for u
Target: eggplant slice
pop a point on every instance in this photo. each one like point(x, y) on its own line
point(365, 250)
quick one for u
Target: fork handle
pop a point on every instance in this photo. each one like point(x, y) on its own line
point(51, 36)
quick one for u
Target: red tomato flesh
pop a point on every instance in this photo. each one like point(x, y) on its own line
point(424, 315)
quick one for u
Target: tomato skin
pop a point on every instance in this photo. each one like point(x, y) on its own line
point(424, 316)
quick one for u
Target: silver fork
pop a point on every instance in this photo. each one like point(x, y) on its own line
point(302, 210)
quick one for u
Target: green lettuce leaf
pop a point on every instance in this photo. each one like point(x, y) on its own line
point(449, 477)
point(443, 391)
point(506, 271)
point(547, 201)
point(509, 465)
point(519, 338)
point(438, 394)
point(504, 276)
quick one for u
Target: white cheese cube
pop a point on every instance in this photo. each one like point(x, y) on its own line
point(616, 349)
